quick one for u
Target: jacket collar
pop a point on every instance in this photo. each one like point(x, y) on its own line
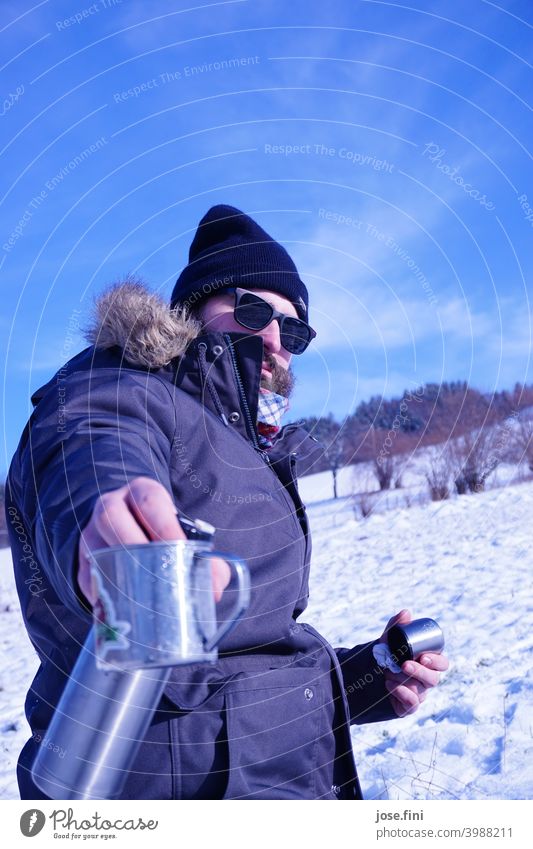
point(221, 370)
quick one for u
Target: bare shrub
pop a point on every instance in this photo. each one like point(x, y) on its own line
point(384, 467)
point(438, 474)
point(408, 500)
point(363, 505)
point(472, 460)
point(363, 497)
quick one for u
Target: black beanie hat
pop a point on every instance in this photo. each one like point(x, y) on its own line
point(231, 249)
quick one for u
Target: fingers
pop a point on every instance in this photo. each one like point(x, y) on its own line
point(403, 700)
point(114, 522)
point(403, 617)
point(406, 694)
point(133, 514)
point(137, 513)
point(220, 576)
point(411, 670)
point(408, 688)
point(152, 506)
point(398, 679)
point(435, 661)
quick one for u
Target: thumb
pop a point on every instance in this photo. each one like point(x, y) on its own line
point(401, 618)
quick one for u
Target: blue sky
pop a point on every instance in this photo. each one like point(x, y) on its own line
point(386, 145)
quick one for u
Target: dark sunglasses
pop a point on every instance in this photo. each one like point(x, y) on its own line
point(254, 313)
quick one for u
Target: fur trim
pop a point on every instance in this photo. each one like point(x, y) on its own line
point(140, 322)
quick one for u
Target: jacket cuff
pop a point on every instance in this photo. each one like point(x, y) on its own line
point(364, 685)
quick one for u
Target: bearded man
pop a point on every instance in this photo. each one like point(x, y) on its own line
point(179, 408)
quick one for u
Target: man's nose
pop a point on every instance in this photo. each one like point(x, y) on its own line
point(271, 337)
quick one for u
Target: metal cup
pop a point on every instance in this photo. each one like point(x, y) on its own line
point(155, 604)
point(409, 642)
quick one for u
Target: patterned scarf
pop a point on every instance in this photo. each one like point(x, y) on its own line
point(269, 414)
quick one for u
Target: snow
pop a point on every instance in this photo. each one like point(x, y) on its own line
point(18, 667)
point(463, 562)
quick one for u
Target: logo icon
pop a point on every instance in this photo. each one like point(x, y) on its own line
point(32, 822)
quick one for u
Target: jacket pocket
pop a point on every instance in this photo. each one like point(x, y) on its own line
point(199, 740)
point(273, 722)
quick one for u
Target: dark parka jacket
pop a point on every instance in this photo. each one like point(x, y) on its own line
point(156, 397)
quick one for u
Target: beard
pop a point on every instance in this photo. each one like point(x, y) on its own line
point(282, 379)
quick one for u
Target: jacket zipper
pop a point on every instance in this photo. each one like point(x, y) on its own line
point(264, 455)
point(244, 402)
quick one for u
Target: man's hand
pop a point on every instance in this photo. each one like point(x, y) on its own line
point(139, 512)
point(408, 688)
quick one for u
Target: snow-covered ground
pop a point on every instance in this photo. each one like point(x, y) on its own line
point(465, 562)
point(18, 665)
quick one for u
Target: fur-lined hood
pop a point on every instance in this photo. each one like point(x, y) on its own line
point(139, 321)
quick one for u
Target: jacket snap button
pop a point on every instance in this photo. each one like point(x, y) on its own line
point(308, 693)
point(234, 417)
point(217, 350)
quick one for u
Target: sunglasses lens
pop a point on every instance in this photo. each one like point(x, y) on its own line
point(295, 335)
point(253, 312)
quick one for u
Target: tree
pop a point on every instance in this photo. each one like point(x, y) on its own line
point(521, 437)
point(330, 434)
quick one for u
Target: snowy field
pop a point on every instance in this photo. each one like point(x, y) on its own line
point(17, 668)
point(465, 562)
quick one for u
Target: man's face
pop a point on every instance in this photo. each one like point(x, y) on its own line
point(216, 313)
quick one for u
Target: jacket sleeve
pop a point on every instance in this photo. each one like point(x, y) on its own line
point(112, 426)
point(364, 685)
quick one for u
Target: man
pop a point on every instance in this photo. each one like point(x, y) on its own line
point(181, 409)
